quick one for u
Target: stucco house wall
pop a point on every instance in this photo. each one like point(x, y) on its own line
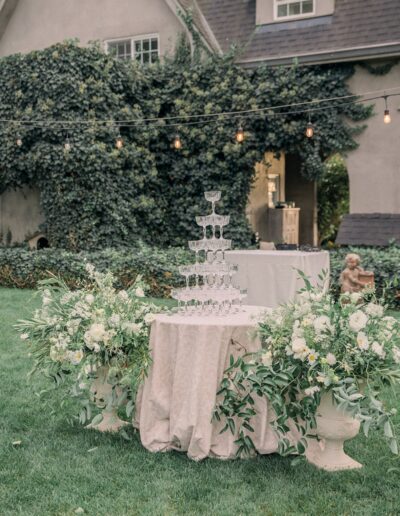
point(36, 24)
point(374, 168)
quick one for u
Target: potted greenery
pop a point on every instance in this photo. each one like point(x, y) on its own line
point(323, 365)
point(94, 341)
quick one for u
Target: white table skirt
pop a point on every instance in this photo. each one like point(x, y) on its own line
point(271, 278)
point(175, 405)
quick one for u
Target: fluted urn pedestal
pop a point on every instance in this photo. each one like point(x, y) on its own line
point(334, 427)
point(103, 397)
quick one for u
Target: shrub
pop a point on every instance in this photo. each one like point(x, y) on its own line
point(384, 262)
point(22, 268)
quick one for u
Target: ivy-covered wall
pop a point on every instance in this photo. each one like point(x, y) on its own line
point(96, 195)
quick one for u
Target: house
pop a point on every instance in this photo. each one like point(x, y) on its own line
point(273, 32)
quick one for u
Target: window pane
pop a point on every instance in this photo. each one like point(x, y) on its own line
point(138, 57)
point(282, 10)
point(121, 49)
point(146, 45)
point(154, 57)
point(307, 6)
point(146, 57)
point(154, 44)
point(138, 46)
point(294, 8)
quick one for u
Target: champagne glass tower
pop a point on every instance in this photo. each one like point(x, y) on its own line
point(209, 286)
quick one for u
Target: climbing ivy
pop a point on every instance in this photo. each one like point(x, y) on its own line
point(95, 195)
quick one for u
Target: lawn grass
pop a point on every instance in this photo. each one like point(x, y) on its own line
point(60, 467)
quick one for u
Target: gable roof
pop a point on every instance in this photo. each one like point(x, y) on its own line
point(358, 29)
point(369, 229)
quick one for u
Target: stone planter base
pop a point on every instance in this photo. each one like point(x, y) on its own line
point(102, 393)
point(334, 427)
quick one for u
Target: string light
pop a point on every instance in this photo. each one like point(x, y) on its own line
point(119, 143)
point(239, 134)
point(386, 115)
point(67, 145)
point(310, 128)
point(19, 141)
point(177, 142)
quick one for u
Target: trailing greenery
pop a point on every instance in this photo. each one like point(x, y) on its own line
point(96, 196)
point(22, 268)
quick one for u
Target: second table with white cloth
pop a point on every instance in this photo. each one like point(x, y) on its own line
point(271, 277)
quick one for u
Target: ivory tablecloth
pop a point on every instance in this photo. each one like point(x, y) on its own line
point(190, 354)
point(270, 277)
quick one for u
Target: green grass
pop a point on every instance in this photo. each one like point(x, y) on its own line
point(59, 467)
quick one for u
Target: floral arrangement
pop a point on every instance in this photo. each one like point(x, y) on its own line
point(348, 347)
point(76, 333)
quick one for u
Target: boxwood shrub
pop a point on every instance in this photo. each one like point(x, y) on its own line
point(23, 268)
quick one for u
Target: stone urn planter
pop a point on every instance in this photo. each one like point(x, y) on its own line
point(334, 427)
point(102, 393)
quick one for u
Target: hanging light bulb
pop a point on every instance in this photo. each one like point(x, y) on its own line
point(67, 145)
point(177, 142)
point(119, 143)
point(386, 115)
point(239, 134)
point(19, 141)
point(310, 128)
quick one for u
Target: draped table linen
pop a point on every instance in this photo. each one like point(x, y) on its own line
point(271, 278)
point(175, 405)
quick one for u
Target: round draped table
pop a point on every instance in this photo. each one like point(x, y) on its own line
point(271, 277)
point(190, 353)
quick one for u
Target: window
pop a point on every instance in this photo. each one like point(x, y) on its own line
point(144, 49)
point(293, 9)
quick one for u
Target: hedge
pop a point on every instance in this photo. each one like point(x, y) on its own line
point(22, 268)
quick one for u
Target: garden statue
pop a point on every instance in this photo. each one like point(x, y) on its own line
point(354, 278)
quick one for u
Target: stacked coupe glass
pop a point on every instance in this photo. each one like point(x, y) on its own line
point(209, 281)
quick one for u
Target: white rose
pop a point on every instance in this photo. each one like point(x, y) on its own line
point(358, 320)
point(378, 349)
point(330, 359)
point(123, 295)
point(396, 354)
point(362, 341)
point(310, 391)
point(97, 331)
point(89, 298)
point(374, 310)
point(322, 324)
point(299, 345)
point(24, 336)
point(266, 358)
point(76, 357)
point(149, 318)
point(139, 292)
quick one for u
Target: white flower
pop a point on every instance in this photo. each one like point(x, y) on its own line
point(299, 345)
point(317, 297)
point(322, 324)
point(132, 327)
point(96, 333)
point(355, 297)
point(378, 349)
point(114, 320)
point(358, 320)
point(374, 310)
point(330, 359)
point(123, 295)
point(362, 341)
point(149, 318)
point(266, 358)
point(390, 322)
point(66, 298)
point(139, 292)
point(312, 356)
point(310, 391)
point(75, 357)
point(24, 336)
point(89, 298)
point(396, 354)
point(89, 269)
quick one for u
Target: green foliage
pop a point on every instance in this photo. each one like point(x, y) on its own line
point(384, 262)
point(22, 268)
point(333, 198)
point(97, 196)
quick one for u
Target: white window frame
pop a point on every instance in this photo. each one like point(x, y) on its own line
point(133, 40)
point(291, 16)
